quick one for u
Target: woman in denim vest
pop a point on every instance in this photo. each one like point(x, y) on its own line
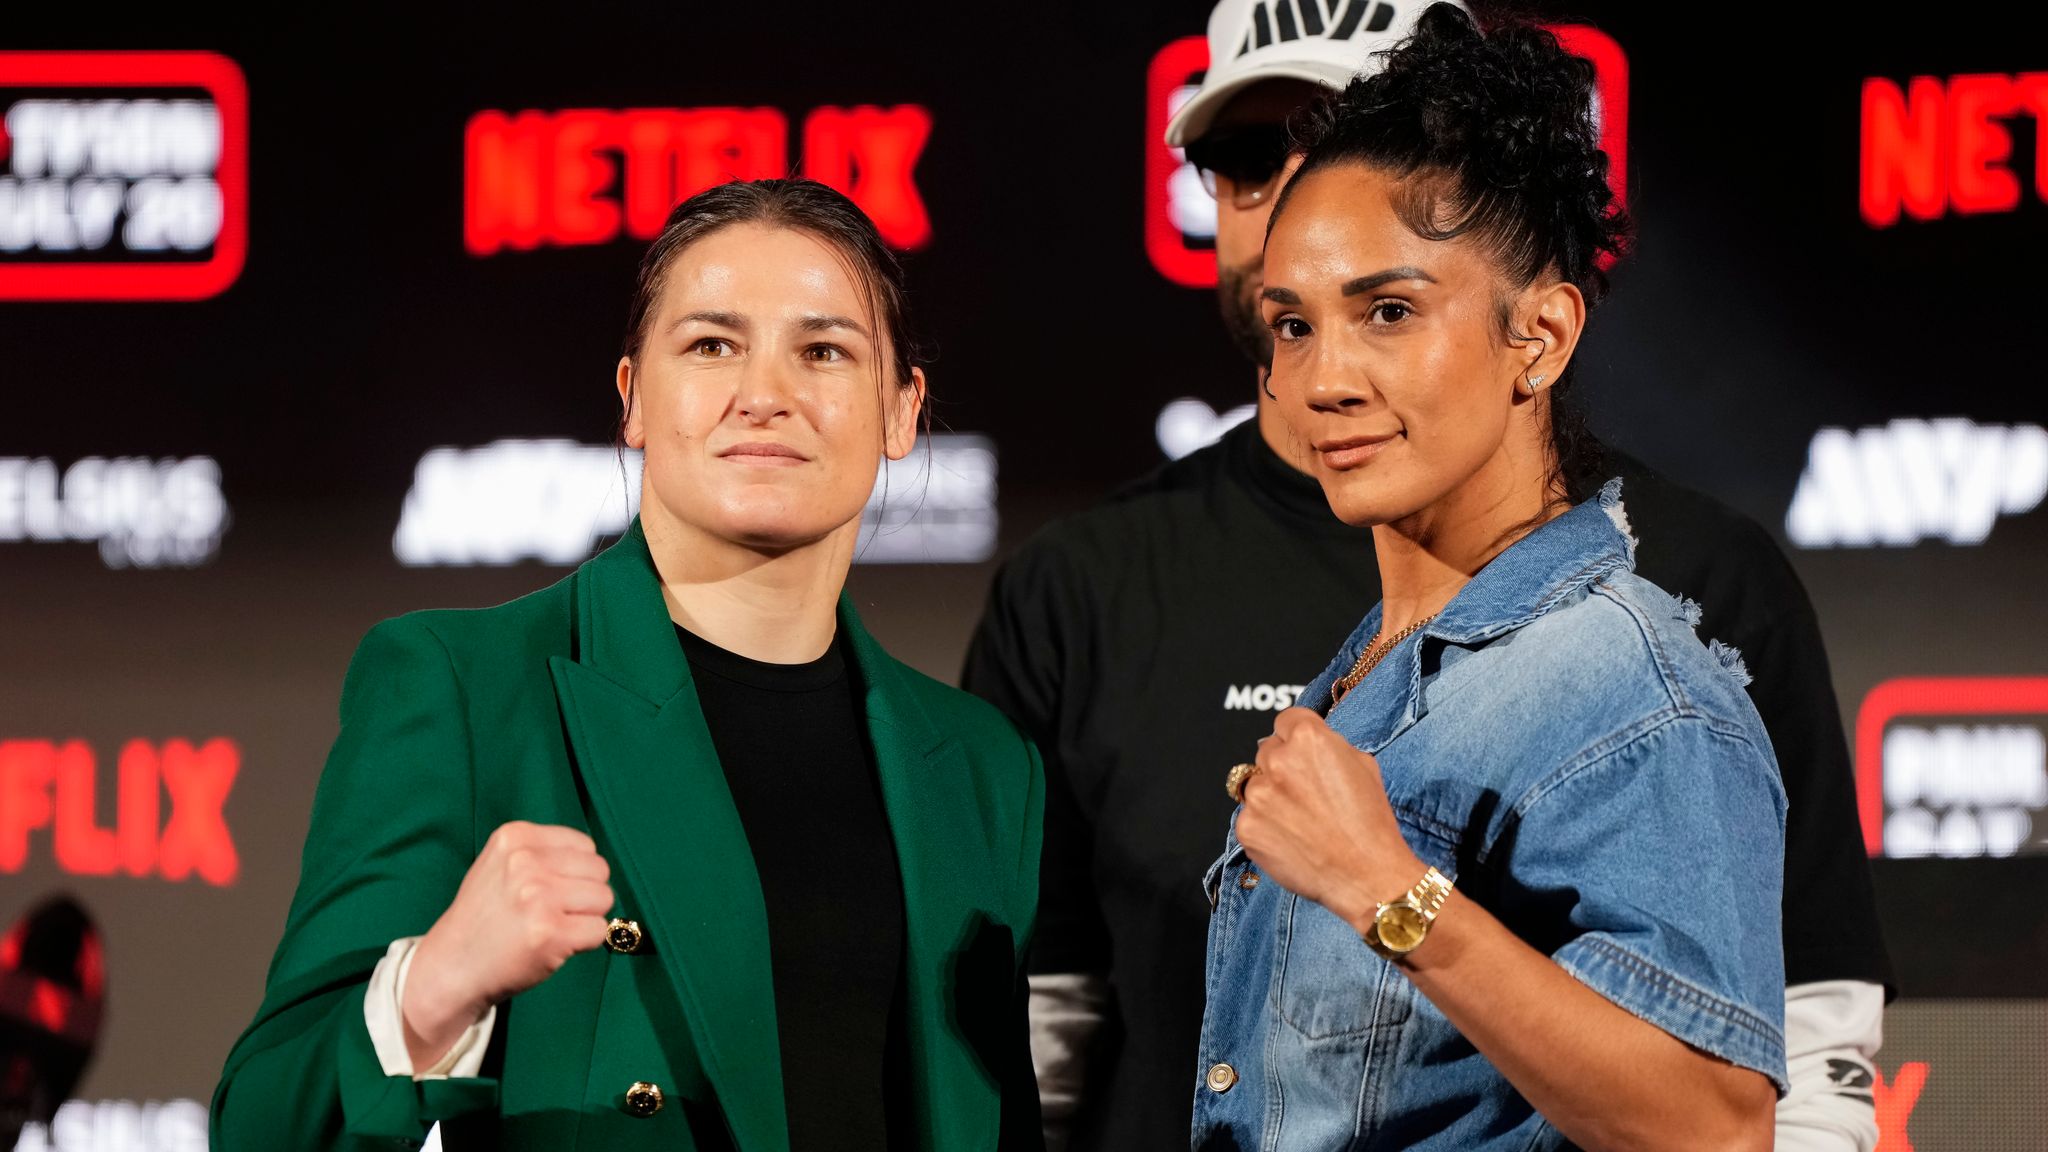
point(1510, 878)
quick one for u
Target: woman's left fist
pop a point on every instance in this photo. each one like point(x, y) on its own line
point(1316, 818)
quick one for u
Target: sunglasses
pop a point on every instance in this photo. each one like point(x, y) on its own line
point(1250, 158)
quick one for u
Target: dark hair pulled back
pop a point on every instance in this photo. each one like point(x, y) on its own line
point(1495, 128)
point(794, 203)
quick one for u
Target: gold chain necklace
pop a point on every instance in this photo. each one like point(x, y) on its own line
point(1373, 654)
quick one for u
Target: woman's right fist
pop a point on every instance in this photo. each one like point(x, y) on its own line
point(536, 895)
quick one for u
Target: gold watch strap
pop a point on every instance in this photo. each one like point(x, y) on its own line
point(1429, 894)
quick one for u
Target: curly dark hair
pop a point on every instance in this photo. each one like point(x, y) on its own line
point(1495, 128)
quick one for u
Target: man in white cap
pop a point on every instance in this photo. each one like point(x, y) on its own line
point(1146, 642)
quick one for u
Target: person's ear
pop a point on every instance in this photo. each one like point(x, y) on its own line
point(633, 431)
point(900, 417)
point(1551, 320)
point(1287, 170)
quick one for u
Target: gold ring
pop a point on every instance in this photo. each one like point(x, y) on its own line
point(1234, 783)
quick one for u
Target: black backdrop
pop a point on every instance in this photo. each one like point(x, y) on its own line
point(1760, 307)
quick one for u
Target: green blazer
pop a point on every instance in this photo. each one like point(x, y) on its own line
point(574, 706)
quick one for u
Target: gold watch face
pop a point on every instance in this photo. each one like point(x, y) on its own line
point(1401, 927)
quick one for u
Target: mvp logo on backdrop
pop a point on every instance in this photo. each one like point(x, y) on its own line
point(591, 177)
point(1180, 216)
point(1931, 147)
point(556, 501)
point(1895, 485)
point(123, 175)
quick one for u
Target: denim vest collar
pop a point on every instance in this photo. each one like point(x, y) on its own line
point(1540, 570)
point(1532, 576)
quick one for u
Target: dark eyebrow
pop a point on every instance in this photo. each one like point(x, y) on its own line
point(1280, 296)
point(818, 323)
point(1367, 283)
point(731, 320)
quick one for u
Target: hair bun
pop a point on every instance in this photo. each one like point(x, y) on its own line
point(1508, 114)
point(1516, 148)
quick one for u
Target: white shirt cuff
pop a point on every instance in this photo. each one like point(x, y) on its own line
point(1067, 1011)
point(1833, 1029)
point(384, 1014)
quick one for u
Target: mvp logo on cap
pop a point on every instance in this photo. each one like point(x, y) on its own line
point(123, 175)
point(1324, 42)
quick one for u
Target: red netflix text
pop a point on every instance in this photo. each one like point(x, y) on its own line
point(45, 784)
point(588, 176)
point(1937, 146)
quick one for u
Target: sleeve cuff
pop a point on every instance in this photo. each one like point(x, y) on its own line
point(377, 1106)
point(1832, 1032)
point(383, 1015)
point(1710, 1023)
point(1067, 1010)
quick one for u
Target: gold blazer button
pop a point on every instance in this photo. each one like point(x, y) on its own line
point(625, 936)
point(643, 1099)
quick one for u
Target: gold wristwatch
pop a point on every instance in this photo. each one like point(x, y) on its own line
point(1399, 926)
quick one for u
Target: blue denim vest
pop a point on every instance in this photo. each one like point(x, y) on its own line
point(1560, 745)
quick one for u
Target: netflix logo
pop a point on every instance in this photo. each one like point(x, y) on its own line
point(53, 786)
point(1933, 147)
point(587, 176)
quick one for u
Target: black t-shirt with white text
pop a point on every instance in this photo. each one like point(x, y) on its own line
point(1147, 644)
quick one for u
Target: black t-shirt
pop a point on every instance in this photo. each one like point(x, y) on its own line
point(1147, 643)
point(796, 757)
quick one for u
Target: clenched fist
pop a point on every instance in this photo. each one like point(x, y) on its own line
point(1316, 818)
point(535, 896)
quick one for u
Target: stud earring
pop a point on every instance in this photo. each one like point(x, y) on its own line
point(1535, 382)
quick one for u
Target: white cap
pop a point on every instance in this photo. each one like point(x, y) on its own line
point(1324, 42)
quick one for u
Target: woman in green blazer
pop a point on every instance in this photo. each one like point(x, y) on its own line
point(672, 854)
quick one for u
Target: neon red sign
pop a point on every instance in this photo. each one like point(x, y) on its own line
point(46, 784)
point(1930, 697)
point(1175, 67)
point(1934, 147)
point(587, 176)
point(161, 183)
point(1894, 1103)
point(68, 1010)
point(1189, 259)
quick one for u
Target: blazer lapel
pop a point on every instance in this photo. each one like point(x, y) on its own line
point(644, 754)
point(941, 851)
point(912, 756)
